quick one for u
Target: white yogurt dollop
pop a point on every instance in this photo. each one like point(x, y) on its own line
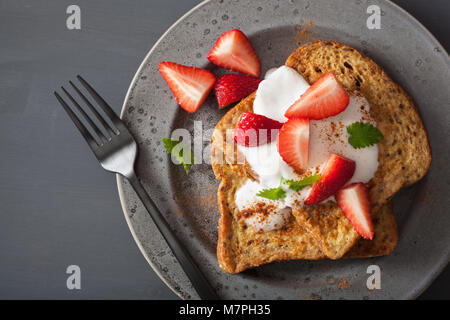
point(275, 215)
point(281, 88)
point(278, 92)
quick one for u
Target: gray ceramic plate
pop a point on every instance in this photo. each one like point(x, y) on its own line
point(407, 51)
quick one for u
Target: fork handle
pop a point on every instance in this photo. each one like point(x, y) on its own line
point(198, 280)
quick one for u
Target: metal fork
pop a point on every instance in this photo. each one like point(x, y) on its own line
point(117, 153)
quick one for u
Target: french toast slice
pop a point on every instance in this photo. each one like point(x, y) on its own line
point(322, 230)
point(404, 152)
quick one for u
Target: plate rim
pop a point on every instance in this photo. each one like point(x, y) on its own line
point(444, 264)
point(412, 295)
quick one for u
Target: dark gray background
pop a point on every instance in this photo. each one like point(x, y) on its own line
point(58, 207)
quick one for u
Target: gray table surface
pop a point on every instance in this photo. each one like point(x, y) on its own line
point(58, 207)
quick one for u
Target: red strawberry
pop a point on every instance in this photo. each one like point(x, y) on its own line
point(293, 143)
point(334, 176)
point(248, 129)
point(233, 51)
point(354, 201)
point(234, 87)
point(325, 98)
point(189, 85)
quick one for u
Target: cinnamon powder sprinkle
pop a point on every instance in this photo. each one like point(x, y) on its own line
point(304, 32)
point(264, 209)
point(344, 284)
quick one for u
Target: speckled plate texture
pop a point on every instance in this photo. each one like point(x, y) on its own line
point(407, 51)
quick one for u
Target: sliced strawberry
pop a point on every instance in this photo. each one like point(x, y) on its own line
point(189, 85)
point(251, 127)
point(293, 143)
point(234, 51)
point(334, 176)
point(354, 201)
point(234, 87)
point(325, 98)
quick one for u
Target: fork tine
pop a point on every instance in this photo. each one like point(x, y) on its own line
point(110, 112)
point(86, 116)
point(85, 133)
point(105, 124)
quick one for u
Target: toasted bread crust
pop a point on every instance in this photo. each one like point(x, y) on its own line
point(316, 234)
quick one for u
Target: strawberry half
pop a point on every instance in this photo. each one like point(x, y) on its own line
point(354, 201)
point(189, 85)
point(293, 143)
point(337, 172)
point(248, 132)
point(234, 51)
point(325, 98)
point(230, 88)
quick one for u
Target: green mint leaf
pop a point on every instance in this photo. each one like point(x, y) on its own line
point(363, 135)
point(272, 194)
point(176, 148)
point(298, 185)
